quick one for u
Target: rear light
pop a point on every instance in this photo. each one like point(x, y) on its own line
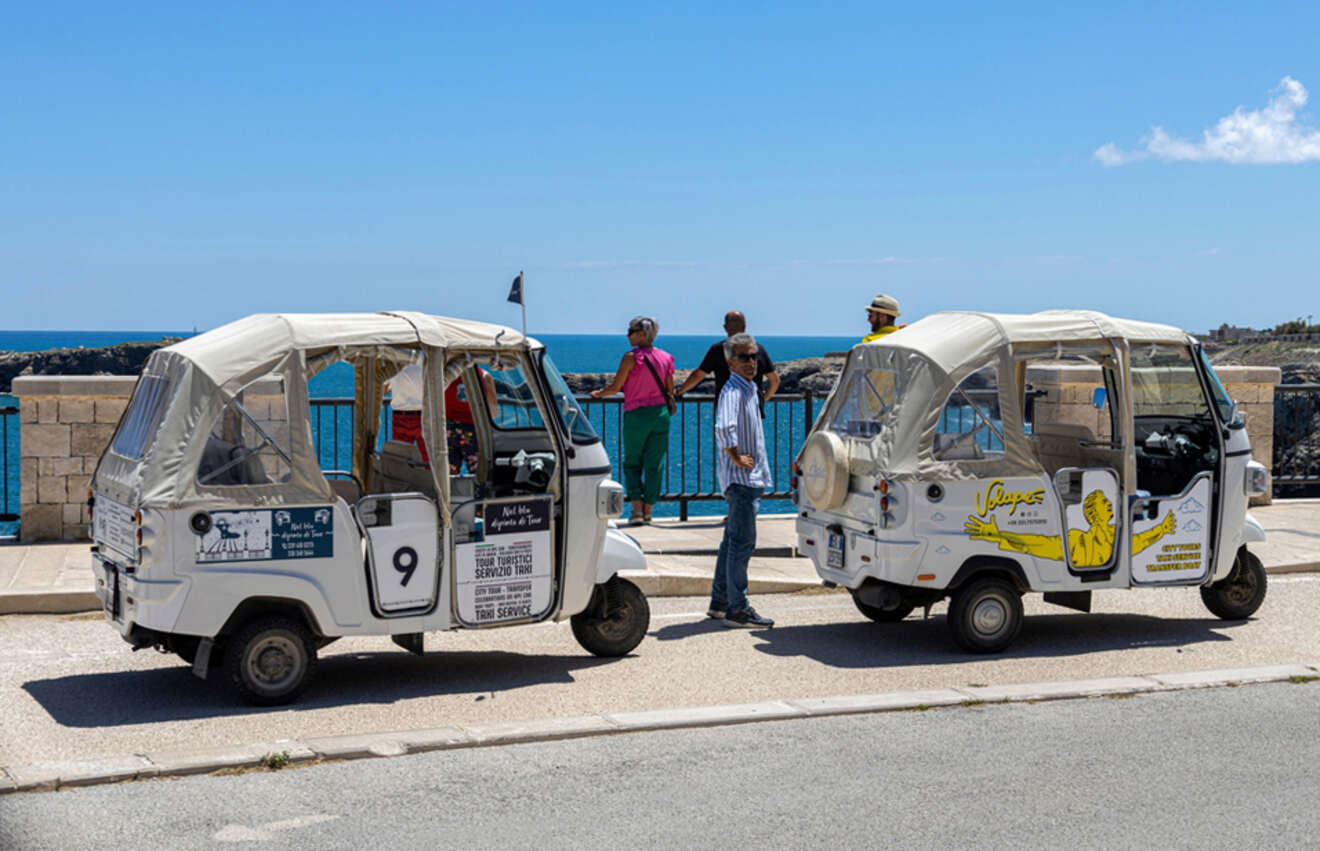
point(810, 542)
point(884, 486)
point(884, 503)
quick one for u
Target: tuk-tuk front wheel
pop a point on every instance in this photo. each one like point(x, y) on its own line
point(616, 620)
point(985, 615)
point(270, 660)
point(1238, 595)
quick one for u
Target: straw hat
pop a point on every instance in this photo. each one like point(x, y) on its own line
point(884, 304)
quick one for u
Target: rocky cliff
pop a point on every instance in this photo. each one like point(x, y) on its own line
point(121, 359)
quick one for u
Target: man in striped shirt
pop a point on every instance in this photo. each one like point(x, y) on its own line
point(744, 474)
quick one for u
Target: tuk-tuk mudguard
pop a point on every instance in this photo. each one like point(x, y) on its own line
point(621, 552)
point(1252, 531)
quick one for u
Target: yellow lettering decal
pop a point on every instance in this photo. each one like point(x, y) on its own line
point(996, 496)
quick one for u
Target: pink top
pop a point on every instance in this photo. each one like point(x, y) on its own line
point(639, 388)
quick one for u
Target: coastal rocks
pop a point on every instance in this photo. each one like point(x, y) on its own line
point(121, 359)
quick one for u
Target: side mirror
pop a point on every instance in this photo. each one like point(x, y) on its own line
point(1098, 398)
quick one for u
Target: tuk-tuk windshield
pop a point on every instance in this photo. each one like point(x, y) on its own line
point(1227, 410)
point(579, 427)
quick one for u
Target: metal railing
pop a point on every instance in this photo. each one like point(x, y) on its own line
point(9, 459)
point(693, 457)
point(690, 463)
point(1295, 467)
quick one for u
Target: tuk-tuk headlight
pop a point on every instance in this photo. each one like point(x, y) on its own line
point(609, 499)
point(1258, 479)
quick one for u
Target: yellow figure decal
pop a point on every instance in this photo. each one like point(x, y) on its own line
point(996, 495)
point(1086, 548)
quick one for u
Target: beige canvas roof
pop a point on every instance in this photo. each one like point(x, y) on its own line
point(957, 337)
point(235, 349)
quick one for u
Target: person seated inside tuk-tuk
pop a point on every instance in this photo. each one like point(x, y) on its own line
point(405, 389)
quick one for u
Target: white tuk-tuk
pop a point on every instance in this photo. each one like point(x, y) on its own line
point(936, 469)
point(217, 535)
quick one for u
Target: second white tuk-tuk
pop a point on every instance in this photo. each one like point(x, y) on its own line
point(937, 469)
point(218, 536)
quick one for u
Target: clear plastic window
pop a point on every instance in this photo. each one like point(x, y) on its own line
point(248, 443)
point(1165, 383)
point(970, 426)
point(516, 400)
point(579, 428)
point(151, 398)
point(870, 396)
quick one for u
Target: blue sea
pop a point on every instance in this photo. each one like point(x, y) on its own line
point(690, 440)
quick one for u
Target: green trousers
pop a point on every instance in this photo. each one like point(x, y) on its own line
point(645, 441)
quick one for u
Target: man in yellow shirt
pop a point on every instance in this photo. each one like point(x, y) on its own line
point(881, 313)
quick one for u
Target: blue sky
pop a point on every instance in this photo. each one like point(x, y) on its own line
point(170, 166)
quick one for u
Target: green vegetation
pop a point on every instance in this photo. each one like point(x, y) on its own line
point(275, 761)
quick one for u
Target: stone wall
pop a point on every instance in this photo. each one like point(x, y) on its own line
point(68, 421)
point(1068, 391)
point(66, 424)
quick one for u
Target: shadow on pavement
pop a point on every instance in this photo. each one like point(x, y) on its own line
point(174, 694)
point(676, 631)
point(918, 641)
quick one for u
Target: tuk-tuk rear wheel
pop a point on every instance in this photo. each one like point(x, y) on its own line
point(270, 660)
point(615, 622)
point(1238, 595)
point(985, 615)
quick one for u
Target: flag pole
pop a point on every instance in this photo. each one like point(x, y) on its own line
point(524, 300)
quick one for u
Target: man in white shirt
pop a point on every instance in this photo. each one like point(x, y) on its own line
point(744, 474)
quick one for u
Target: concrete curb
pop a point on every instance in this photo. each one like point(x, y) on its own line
point(46, 602)
point(112, 769)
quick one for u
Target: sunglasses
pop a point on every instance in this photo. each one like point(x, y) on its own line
point(744, 357)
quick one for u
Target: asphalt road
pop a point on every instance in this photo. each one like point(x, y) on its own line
point(71, 689)
point(1221, 768)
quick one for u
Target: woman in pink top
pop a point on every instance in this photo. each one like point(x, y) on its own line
point(646, 376)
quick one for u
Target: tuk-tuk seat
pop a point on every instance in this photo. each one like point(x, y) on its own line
point(399, 468)
point(1059, 445)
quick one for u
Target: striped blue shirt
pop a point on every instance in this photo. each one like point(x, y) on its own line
point(738, 423)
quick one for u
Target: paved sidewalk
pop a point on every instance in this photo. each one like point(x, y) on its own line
point(57, 578)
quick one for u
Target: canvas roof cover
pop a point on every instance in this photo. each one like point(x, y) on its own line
point(930, 357)
point(204, 372)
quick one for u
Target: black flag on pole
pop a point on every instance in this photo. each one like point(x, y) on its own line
point(515, 294)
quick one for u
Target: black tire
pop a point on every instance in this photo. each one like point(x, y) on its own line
point(615, 622)
point(985, 615)
point(883, 615)
point(270, 660)
point(1237, 596)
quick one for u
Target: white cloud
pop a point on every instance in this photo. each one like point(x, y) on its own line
point(1272, 135)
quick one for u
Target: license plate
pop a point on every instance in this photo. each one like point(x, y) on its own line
point(834, 555)
point(111, 591)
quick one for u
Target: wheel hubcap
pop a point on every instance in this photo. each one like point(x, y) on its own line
point(989, 616)
point(274, 661)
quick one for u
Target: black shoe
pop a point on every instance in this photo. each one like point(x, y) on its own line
point(747, 619)
point(716, 613)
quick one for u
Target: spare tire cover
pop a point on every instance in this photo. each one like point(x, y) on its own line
point(824, 470)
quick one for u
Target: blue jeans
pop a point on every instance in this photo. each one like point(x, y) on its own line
point(729, 589)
